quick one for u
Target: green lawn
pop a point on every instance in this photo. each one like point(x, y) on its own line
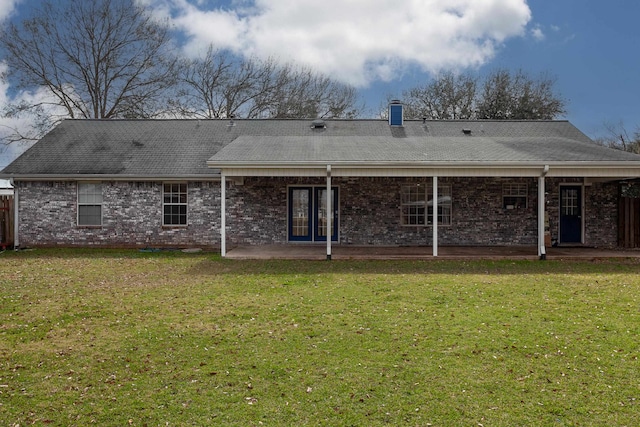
point(169, 339)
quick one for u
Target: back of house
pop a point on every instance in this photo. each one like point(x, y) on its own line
point(223, 183)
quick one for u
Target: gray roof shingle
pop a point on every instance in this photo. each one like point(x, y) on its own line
point(180, 148)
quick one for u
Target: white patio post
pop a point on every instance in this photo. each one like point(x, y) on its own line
point(435, 216)
point(542, 252)
point(223, 215)
point(541, 203)
point(329, 213)
point(16, 211)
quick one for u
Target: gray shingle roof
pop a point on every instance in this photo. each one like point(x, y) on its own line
point(181, 148)
point(434, 141)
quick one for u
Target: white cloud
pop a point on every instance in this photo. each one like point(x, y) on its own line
point(357, 41)
point(24, 125)
point(6, 8)
point(537, 33)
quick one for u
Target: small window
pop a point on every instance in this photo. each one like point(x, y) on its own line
point(417, 205)
point(514, 196)
point(90, 203)
point(174, 206)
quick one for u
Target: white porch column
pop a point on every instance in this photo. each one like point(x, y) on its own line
point(435, 216)
point(16, 217)
point(329, 213)
point(541, 215)
point(223, 215)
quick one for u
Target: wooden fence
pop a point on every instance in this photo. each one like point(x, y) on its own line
point(6, 222)
point(629, 222)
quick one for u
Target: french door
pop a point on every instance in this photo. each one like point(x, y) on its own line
point(308, 217)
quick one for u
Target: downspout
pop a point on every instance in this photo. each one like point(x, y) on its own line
point(16, 239)
point(329, 213)
point(542, 251)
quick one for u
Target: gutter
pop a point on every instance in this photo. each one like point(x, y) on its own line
point(586, 169)
point(392, 164)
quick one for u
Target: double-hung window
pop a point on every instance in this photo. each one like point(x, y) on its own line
point(174, 205)
point(413, 202)
point(89, 203)
point(416, 204)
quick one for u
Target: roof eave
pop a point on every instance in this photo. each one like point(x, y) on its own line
point(424, 164)
point(214, 176)
point(592, 169)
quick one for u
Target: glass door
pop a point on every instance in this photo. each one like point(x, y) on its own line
point(308, 214)
point(321, 222)
point(300, 214)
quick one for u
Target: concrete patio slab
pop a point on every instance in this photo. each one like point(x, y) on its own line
point(341, 252)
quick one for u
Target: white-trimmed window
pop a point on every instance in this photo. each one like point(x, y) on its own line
point(90, 204)
point(514, 196)
point(174, 204)
point(416, 205)
point(413, 202)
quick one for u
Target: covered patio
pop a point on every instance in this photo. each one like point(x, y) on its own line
point(345, 252)
point(519, 190)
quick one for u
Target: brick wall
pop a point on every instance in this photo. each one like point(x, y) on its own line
point(257, 213)
point(370, 212)
point(601, 214)
point(132, 216)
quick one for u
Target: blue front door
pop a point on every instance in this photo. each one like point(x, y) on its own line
point(571, 214)
point(308, 214)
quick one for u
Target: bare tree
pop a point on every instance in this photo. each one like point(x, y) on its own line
point(447, 97)
point(221, 85)
point(96, 59)
point(301, 93)
point(500, 95)
point(518, 97)
point(619, 137)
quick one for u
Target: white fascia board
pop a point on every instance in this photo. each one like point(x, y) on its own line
point(423, 164)
point(524, 169)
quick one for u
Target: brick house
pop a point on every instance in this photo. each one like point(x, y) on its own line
point(225, 183)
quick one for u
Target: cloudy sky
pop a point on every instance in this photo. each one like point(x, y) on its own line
point(385, 46)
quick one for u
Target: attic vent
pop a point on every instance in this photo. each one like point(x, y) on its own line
point(466, 131)
point(318, 124)
point(395, 113)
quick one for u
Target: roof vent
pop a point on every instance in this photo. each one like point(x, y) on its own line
point(396, 115)
point(231, 120)
point(466, 131)
point(318, 124)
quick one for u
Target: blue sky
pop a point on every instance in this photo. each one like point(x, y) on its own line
point(591, 47)
point(385, 46)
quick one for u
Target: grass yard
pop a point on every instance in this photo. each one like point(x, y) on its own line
point(119, 338)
